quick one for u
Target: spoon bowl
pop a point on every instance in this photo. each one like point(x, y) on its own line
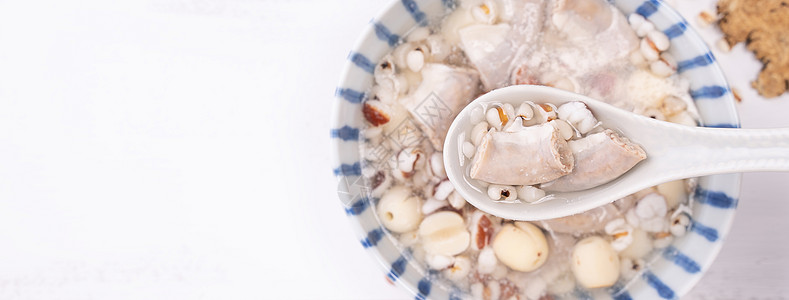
point(673, 152)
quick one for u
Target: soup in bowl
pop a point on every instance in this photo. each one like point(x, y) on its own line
point(421, 62)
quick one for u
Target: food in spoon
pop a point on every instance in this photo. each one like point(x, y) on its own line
point(542, 154)
point(528, 156)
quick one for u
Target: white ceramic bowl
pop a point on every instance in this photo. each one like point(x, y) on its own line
point(672, 275)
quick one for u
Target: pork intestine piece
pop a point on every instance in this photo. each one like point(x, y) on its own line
point(599, 158)
point(444, 91)
point(535, 154)
point(586, 38)
point(493, 48)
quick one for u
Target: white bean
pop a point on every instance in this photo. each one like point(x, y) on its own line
point(444, 233)
point(644, 28)
point(522, 246)
point(621, 232)
point(398, 210)
point(651, 206)
point(468, 149)
point(409, 159)
point(525, 111)
point(595, 263)
point(649, 52)
point(577, 114)
point(679, 224)
point(438, 262)
point(659, 39)
point(486, 262)
point(437, 164)
point(635, 20)
point(665, 66)
point(498, 192)
point(509, 110)
point(492, 116)
point(432, 205)
point(443, 189)
point(415, 60)
point(459, 269)
point(456, 200)
point(478, 132)
point(529, 193)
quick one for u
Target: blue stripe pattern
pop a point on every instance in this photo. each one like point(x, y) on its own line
point(385, 34)
point(662, 289)
point(373, 237)
point(423, 287)
point(349, 170)
point(622, 296)
point(698, 61)
point(683, 261)
point(362, 62)
point(714, 91)
point(676, 30)
point(715, 199)
point(416, 13)
point(722, 125)
point(352, 96)
point(358, 207)
point(450, 4)
point(619, 293)
point(345, 133)
point(455, 296)
point(709, 233)
point(398, 267)
point(648, 8)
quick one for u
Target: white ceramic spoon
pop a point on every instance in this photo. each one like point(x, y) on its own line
point(673, 152)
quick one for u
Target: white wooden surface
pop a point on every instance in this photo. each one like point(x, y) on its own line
point(176, 149)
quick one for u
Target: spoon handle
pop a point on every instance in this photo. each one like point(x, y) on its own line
point(684, 152)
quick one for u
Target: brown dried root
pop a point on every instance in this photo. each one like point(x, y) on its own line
point(763, 26)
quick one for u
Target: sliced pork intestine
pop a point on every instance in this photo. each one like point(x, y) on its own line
point(579, 49)
point(532, 155)
point(493, 48)
point(599, 158)
point(444, 91)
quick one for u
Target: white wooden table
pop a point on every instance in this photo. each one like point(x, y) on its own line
point(176, 149)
